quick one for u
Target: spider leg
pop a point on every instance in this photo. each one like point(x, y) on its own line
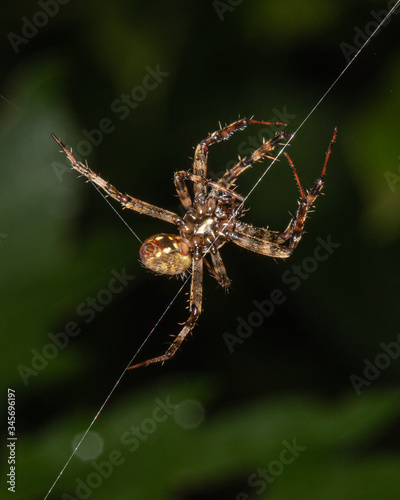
point(211, 269)
point(224, 133)
point(126, 201)
point(259, 240)
point(218, 270)
point(195, 305)
point(294, 232)
point(182, 190)
point(270, 243)
point(231, 175)
point(182, 176)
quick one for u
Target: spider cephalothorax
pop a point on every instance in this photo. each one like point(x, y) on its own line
point(211, 220)
point(203, 229)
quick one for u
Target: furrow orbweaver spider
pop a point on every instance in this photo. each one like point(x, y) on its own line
point(212, 219)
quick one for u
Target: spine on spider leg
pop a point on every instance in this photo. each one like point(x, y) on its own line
point(126, 201)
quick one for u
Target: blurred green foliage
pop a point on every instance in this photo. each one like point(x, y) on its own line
point(60, 244)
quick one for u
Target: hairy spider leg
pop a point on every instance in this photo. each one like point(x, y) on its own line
point(224, 133)
point(259, 240)
point(228, 179)
point(182, 176)
point(182, 190)
point(219, 268)
point(295, 229)
point(195, 306)
point(269, 243)
point(216, 276)
point(126, 201)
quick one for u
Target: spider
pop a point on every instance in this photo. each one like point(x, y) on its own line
point(212, 219)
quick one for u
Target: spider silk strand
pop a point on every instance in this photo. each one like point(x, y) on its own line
point(321, 100)
point(116, 385)
point(115, 211)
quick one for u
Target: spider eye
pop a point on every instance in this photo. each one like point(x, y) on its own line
point(166, 254)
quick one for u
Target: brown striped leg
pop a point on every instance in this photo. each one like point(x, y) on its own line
point(270, 243)
point(259, 240)
point(126, 201)
point(182, 176)
point(182, 190)
point(229, 177)
point(218, 270)
point(200, 156)
point(195, 305)
point(295, 229)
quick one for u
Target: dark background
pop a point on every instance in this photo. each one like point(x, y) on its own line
point(292, 379)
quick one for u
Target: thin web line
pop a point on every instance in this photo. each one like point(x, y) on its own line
point(245, 198)
point(115, 210)
point(115, 386)
point(321, 100)
point(9, 102)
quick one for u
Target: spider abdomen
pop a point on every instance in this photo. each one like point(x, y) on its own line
point(166, 254)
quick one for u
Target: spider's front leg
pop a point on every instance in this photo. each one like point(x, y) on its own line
point(182, 176)
point(195, 305)
point(200, 155)
point(228, 179)
point(126, 201)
